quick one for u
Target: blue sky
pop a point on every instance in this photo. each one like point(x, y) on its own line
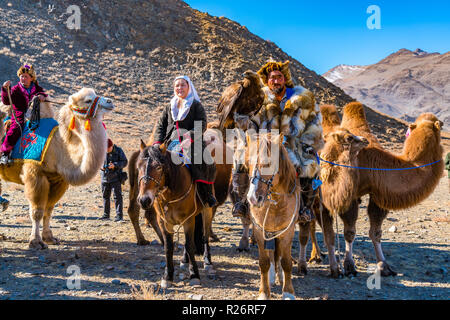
point(323, 34)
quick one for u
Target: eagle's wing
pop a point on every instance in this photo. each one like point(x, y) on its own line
point(227, 101)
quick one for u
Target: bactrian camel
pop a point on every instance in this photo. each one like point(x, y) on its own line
point(74, 156)
point(388, 190)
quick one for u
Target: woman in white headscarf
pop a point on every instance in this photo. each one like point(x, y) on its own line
point(181, 122)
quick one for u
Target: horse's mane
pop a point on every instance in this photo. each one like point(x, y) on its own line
point(286, 169)
point(171, 170)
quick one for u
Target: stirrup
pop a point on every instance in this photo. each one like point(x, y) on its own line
point(5, 160)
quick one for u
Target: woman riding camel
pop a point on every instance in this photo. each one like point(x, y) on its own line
point(21, 95)
point(181, 128)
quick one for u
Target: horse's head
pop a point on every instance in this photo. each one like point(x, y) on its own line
point(152, 178)
point(262, 161)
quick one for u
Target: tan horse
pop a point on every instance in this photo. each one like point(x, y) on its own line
point(274, 198)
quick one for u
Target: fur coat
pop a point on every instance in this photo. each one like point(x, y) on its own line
point(300, 122)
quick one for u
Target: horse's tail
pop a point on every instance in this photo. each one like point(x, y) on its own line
point(198, 235)
point(133, 174)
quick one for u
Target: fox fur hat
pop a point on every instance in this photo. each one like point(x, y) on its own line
point(280, 66)
point(27, 68)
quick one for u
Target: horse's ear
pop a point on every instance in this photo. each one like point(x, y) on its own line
point(163, 148)
point(143, 145)
point(412, 126)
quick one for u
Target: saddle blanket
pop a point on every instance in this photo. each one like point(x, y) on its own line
point(34, 143)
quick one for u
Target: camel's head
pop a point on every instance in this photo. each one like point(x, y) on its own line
point(341, 140)
point(86, 104)
point(426, 118)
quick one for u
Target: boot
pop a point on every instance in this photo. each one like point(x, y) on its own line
point(306, 213)
point(205, 191)
point(105, 216)
point(118, 218)
point(240, 184)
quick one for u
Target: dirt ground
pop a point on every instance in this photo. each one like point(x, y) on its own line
point(112, 266)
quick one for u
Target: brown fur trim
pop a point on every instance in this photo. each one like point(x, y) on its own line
point(30, 71)
point(280, 66)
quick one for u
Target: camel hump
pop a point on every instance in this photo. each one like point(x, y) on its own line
point(354, 110)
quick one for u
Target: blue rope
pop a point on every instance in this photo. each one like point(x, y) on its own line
point(364, 168)
point(182, 156)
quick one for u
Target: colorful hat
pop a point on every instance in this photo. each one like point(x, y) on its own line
point(280, 66)
point(27, 68)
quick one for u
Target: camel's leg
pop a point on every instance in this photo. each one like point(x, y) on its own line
point(36, 191)
point(189, 228)
point(150, 216)
point(264, 266)
point(349, 218)
point(244, 244)
point(303, 236)
point(57, 190)
point(207, 217)
point(169, 269)
point(325, 220)
point(376, 217)
point(284, 245)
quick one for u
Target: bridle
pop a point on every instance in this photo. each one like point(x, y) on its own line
point(147, 177)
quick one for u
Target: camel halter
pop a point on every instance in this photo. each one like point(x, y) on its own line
point(84, 113)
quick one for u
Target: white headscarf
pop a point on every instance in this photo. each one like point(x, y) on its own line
point(180, 114)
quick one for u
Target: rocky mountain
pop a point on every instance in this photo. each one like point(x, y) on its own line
point(130, 50)
point(404, 84)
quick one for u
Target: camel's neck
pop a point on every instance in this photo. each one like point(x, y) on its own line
point(85, 150)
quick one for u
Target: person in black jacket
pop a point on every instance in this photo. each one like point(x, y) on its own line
point(181, 128)
point(111, 174)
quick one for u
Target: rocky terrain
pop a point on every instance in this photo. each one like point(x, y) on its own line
point(130, 51)
point(404, 84)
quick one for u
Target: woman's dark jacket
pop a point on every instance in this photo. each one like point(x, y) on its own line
point(166, 127)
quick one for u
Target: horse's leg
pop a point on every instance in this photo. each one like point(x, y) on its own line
point(244, 244)
point(36, 191)
point(349, 218)
point(207, 217)
point(325, 221)
point(274, 265)
point(376, 217)
point(303, 237)
point(169, 269)
point(189, 246)
point(316, 256)
point(133, 213)
point(57, 190)
point(150, 215)
point(212, 236)
point(264, 266)
point(285, 245)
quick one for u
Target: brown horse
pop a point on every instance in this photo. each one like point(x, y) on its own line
point(274, 198)
point(166, 205)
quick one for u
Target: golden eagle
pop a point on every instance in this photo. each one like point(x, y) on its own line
point(243, 97)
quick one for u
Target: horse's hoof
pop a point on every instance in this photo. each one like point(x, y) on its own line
point(263, 296)
point(51, 240)
point(288, 296)
point(165, 284)
point(184, 266)
point(315, 260)
point(349, 268)
point(194, 282)
point(143, 242)
point(210, 271)
point(36, 244)
point(385, 269)
point(336, 274)
point(302, 269)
